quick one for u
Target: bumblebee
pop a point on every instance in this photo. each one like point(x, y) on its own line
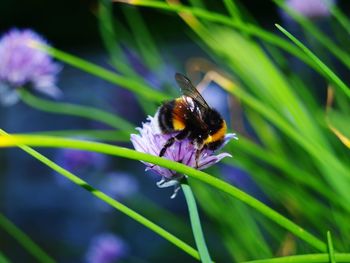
point(190, 117)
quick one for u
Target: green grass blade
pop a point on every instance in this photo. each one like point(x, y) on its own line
point(341, 18)
point(102, 135)
point(315, 150)
point(75, 110)
point(197, 3)
point(25, 241)
point(112, 32)
point(196, 223)
point(3, 258)
point(326, 70)
point(143, 38)
point(330, 248)
point(112, 202)
point(125, 82)
point(271, 87)
point(315, 144)
point(310, 258)
point(235, 222)
point(316, 33)
point(249, 29)
point(232, 9)
point(293, 171)
point(235, 14)
point(110, 39)
point(46, 141)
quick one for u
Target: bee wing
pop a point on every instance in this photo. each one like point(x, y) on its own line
point(189, 90)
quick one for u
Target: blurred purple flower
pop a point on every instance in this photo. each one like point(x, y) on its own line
point(151, 141)
point(22, 65)
point(119, 185)
point(311, 8)
point(77, 160)
point(106, 248)
point(81, 162)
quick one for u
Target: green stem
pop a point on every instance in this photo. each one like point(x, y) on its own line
point(25, 240)
point(195, 222)
point(112, 202)
point(75, 110)
point(46, 141)
point(125, 82)
point(310, 258)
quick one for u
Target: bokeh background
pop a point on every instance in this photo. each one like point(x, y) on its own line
point(70, 224)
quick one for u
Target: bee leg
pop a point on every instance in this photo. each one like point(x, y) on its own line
point(166, 146)
point(199, 150)
point(180, 136)
point(198, 153)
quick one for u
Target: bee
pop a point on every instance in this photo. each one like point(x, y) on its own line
point(190, 117)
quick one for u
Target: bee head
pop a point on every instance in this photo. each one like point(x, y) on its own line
point(214, 120)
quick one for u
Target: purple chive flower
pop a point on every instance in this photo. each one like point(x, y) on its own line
point(311, 8)
point(151, 141)
point(106, 248)
point(22, 65)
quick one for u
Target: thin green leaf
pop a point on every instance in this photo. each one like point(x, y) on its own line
point(22, 238)
point(125, 82)
point(288, 168)
point(110, 38)
point(75, 110)
point(341, 17)
point(221, 19)
point(330, 248)
point(102, 135)
point(310, 258)
point(327, 71)
point(143, 38)
point(3, 258)
point(316, 33)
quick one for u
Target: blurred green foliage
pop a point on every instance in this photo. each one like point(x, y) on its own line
point(292, 149)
